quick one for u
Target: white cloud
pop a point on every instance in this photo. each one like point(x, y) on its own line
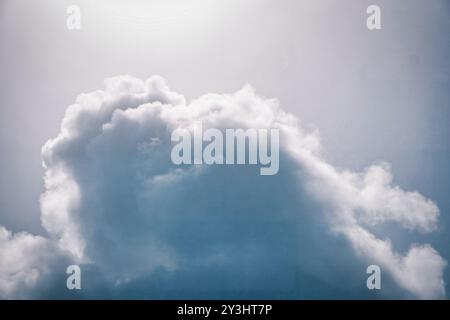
point(358, 199)
point(420, 271)
point(108, 172)
point(25, 259)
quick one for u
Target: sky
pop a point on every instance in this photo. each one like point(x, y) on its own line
point(375, 103)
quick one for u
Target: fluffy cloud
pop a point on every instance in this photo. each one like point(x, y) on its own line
point(115, 202)
point(25, 261)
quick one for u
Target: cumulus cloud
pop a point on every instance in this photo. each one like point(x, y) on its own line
point(115, 201)
point(25, 261)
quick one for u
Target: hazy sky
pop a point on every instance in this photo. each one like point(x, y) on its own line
point(373, 95)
